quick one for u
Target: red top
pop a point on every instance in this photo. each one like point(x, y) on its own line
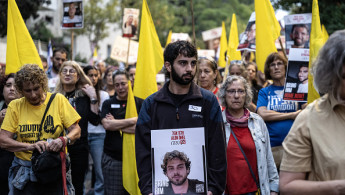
point(239, 180)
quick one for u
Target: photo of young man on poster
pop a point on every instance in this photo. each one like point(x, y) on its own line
point(176, 166)
point(72, 14)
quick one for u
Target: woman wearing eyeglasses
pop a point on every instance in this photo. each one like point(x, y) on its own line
point(278, 114)
point(78, 89)
point(250, 162)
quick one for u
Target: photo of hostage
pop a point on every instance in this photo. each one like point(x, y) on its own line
point(176, 166)
point(129, 27)
point(300, 36)
point(72, 17)
point(303, 79)
point(249, 37)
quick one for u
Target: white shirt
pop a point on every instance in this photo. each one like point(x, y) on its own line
point(99, 128)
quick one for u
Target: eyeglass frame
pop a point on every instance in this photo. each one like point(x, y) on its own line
point(65, 71)
point(233, 92)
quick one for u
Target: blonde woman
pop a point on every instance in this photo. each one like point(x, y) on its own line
point(78, 89)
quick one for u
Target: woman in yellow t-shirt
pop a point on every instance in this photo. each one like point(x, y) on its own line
point(23, 118)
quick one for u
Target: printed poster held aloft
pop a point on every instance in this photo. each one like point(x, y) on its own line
point(178, 161)
point(296, 84)
point(247, 39)
point(297, 31)
point(72, 14)
point(130, 23)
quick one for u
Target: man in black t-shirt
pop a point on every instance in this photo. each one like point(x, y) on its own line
point(113, 119)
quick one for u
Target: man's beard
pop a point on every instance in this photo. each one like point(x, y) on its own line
point(178, 183)
point(180, 80)
point(55, 67)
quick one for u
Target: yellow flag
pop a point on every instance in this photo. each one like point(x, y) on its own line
point(232, 53)
point(129, 165)
point(168, 38)
point(150, 56)
point(95, 54)
point(223, 47)
point(20, 47)
point(267, 31)
point(325, 34)
point(316, 42)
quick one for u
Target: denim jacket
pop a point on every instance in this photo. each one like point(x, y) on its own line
point(268, 175)
point(25, 174)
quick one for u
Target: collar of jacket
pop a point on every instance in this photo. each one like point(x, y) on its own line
point(163, 94)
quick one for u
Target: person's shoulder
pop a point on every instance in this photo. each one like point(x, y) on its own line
point(195, 181)
point(208, 95)
point(17, 102)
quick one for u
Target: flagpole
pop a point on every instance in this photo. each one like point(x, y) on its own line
point(129, 41)
point(281, 45)
point(193, 26)
point(72, 40)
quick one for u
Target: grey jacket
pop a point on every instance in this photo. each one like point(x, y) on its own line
point(268, 175)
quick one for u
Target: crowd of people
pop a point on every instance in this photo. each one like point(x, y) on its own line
point(251, 134)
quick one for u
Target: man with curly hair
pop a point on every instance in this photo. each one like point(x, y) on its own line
point(176, 166)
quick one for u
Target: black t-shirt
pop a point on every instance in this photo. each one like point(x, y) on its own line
point(113, 139)
point(177, 98)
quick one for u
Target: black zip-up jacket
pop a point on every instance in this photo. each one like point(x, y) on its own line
point(159, 112)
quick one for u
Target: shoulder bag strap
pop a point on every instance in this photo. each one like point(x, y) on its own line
point(245, 157)
point(44, 115)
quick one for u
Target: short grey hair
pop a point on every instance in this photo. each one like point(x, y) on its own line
point(328, 67)
point(228, 81)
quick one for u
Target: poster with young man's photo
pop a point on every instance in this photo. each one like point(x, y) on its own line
point(297, 31)
point(296, 84)
point(247, 39)
point(130, 23)
point(72, 14)
point(178, 161)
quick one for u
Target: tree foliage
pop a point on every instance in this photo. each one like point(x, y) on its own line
point(176, 15)
point(26, 7)
point(331, 11)
point(97, 16)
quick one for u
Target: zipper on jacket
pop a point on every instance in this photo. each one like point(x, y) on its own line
point(177, 115)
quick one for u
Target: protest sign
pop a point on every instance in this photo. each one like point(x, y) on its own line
point(72, 14)
point(247, 39)
point(178, 156)
point(120, 50)
point(130, 23)
point(296, 84)
point(297, 31)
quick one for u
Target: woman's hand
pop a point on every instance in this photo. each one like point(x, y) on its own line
point(55, 145)
point(2, 115)
point(41, 146)
point(90, 91)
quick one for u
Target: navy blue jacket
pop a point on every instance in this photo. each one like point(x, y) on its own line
point(159, 112)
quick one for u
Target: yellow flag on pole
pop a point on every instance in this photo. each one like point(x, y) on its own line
point(129, 165)
point(150, 56)
point(267, 31)
point(223, 47)
point(168, 38)
point(20, 46)
point(316, 42)
point(232, 53)
point(325, 34)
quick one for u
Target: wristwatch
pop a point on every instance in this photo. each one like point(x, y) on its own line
point(68, 140)
point(94, 101)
